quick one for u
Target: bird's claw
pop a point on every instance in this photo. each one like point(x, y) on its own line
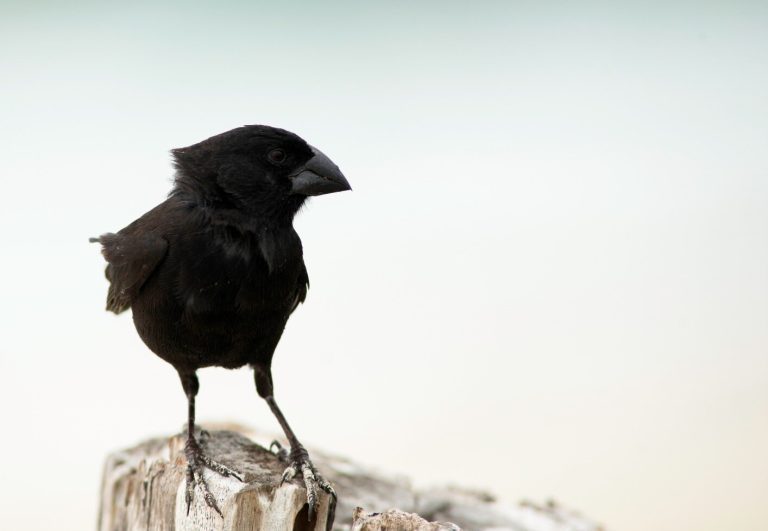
point(289, 473)
point(276, 448)
point(299, 462)
point(196, 462)
point(220, 468)
point(197, 476)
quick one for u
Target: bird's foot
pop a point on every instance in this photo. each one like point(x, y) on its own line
point(299, 462)
point(196, 462)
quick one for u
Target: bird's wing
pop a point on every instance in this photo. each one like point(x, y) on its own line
point(301, 287)
point(131, 260)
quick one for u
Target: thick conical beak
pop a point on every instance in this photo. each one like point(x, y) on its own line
point(319, 176)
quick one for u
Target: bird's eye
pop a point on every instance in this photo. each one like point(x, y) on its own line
point(277, 156)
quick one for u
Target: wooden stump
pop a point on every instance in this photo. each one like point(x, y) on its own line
point(143, 489)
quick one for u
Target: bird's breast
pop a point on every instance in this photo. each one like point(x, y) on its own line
point(232, 277)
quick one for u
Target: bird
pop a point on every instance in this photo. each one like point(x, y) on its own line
point(213, 273)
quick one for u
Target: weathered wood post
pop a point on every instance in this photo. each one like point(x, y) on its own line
point(143, 489)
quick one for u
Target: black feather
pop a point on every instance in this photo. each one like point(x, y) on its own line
point(213, 273)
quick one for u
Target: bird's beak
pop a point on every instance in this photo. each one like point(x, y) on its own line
point(318, 176)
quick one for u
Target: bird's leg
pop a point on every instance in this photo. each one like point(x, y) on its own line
point(298, 458)
point(196, 459)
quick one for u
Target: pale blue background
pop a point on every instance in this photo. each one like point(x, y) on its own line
point(550, 280)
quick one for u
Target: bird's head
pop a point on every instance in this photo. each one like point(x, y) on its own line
point(256, 169)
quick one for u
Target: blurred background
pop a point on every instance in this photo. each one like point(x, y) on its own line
point(551, 279)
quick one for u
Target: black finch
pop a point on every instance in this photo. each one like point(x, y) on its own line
point(213, 273)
